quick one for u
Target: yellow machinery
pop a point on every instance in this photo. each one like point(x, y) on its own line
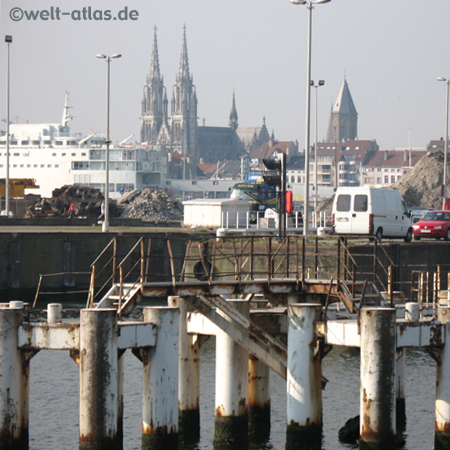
point(17, 186)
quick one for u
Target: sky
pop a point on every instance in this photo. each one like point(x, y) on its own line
point(390, 53)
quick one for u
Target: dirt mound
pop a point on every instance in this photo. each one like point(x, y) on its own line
point(421, 186)
point(151, 205)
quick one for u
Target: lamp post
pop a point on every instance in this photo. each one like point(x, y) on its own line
point(444, 184)
point(105, 226)
point(310, 5)
point(8, 40)
point(321, 83)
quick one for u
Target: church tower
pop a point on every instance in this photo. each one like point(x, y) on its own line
point(343, 124)
point(154, 100)
point(184, 109)
point(233, 123)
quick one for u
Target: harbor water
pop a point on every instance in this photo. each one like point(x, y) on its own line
point(54, 401)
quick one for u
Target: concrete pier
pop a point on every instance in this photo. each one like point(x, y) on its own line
point(160, 384)
point(378, 349)
point(98, 379)
point(189, 377)
point(258, 399)
point(304, 396)
point(442, 410)
point(14, 395)
point(231, 414)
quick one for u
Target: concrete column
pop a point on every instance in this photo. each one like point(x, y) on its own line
point(14, 388)
point(304, 395)
point(442, 408)
point(160, 384)
point(98, 379)
point(258, 399)
point(189, 377)
point(120, 380)
point(400, 406)
point(231, 415)
point(54, 313)
point(377, 387)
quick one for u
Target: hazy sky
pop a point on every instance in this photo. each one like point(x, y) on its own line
point(390, 52)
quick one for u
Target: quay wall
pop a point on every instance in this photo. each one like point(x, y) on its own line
point(27, 255)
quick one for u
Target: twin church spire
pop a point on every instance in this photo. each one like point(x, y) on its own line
point(176, 133)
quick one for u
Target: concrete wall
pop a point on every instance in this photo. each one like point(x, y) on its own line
point(24, 256)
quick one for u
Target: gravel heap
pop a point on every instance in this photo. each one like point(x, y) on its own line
point(421, 186)
point(150, 205)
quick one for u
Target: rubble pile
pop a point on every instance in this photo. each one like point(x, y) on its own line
point(87, 202)
point(421, 186)
point(150, 205)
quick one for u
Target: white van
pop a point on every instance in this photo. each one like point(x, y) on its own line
point(376, 212)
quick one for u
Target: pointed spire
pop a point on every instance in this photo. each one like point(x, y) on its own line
point(344, 103)
point(184, 62)
point(154, 67)
point(233, 123)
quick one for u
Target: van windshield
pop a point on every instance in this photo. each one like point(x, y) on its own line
point(343, 203)
point(360, 203)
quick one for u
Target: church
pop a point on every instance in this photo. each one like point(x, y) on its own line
point(177, 132)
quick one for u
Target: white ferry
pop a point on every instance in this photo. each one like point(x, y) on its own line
point(54, 156)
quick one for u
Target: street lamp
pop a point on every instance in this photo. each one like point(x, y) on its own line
point(8, 40)
point(321, 83)
point(105, 226)
point(444, 184)
point(310, 5)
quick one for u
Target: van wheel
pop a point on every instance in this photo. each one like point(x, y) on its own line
point(379, 234)
point(408, 237)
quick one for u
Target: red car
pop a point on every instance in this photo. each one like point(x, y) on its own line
point(435, 224)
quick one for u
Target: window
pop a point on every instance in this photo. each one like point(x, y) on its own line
point(343, 203)
point(360, 203)
point(386, 179)
point(25, 142)
point(36, 142)
point(53, 154)
point(392, 178)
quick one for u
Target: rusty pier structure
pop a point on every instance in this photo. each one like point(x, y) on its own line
point(271, 304)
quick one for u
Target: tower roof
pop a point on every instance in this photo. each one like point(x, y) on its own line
point(154, 66)
point(344, 103)
point(184, 62)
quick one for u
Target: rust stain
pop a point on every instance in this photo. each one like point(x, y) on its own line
point(220, 411)
point(443, 427)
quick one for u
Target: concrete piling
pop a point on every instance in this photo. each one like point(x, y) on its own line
point(258, 399)
point(304, 396)
point(231, 413)
point(442, 408)
point(54, 313)
point(14, 389)
point(400, 405)
point(378, 350)
point(189, 377)
point(98, 379)
point(160, 382)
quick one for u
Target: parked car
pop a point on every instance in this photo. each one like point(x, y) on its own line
point(435, 224)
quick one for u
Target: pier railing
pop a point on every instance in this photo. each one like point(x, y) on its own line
point(236, 259)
